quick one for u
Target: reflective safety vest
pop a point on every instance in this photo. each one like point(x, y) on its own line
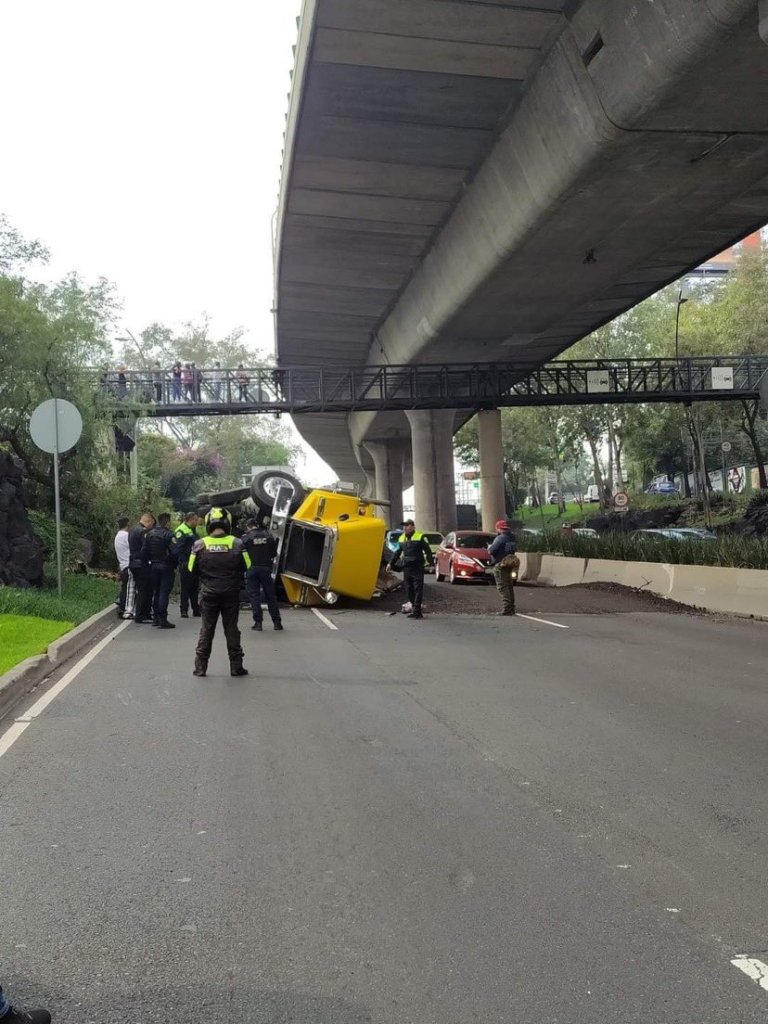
point(218, 545)
point(414, 536)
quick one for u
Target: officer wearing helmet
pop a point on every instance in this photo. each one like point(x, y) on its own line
point(219, 561)
point(505, 565)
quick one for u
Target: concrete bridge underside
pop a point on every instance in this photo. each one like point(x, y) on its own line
point(480, 181)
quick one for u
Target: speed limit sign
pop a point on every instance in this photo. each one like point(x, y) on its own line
point(621, 501)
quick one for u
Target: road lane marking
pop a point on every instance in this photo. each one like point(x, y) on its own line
point(23, 722)
point(545, 621)
point(754, 969)
point(323, 619)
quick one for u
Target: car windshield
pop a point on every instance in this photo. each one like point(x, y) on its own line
point(433, 538)
point(474, 540)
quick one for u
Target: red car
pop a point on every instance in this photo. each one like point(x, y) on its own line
point(463, 556)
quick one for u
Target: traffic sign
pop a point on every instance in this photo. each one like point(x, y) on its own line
point(56, 426)
point(621, 501)
point(726, 446)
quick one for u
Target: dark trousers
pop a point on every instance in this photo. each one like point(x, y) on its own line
point(162, 585)
point(413, 576)
point(228, 606)
point(142, 577)
point(190, 586)
point(505, 587)
point(259, 578)
point(121, 597)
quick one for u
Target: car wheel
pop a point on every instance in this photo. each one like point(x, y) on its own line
point(264, 487)
point(452, 578)
point(439, 576)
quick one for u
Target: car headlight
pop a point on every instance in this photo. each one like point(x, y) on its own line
point(463, 560)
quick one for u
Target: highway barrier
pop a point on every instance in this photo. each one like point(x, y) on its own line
point(734, 591)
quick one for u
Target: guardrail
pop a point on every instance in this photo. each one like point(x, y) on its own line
point(313, 389)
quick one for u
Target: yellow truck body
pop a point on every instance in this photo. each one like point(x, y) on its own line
point(333, 545)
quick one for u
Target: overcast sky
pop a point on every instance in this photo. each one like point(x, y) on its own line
point(142, 143)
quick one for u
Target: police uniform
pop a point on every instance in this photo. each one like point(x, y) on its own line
point(219, 561)
point(141, 573)
point(157, 550)
point(414, 553)
point(184, 539)
point(262, 548)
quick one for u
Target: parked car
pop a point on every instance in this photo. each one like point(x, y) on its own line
point(531, 531)
point(664, 487)
point(669, 533)
point(593, 493)
point(463, 557)
point(585, 531)
point(554, 498)
point(695, 533)
point(434, 540)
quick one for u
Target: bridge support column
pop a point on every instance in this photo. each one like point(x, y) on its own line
point(433, 478)
point(388, 462)
point(491, 468)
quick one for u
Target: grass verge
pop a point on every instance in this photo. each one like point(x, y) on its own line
point(21, 636)
point(730, 550)
point(83, 597)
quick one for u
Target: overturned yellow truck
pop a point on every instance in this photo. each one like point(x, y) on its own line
point(330, 547)
point(330, 540)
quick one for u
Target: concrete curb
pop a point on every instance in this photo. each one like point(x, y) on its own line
point(742, 592)
point(19, 680)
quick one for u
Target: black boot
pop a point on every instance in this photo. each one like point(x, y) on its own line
point(165, 624)
point(17, 1016)
point(201, 666)
point(278, 625)
point(184, 615)
point(236, 668)
point(256, 626)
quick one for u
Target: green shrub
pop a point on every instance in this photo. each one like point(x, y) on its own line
point(758, 500)
point(731, 550)
point(83, 596)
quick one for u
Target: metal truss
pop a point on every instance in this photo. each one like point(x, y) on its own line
point(316, 389)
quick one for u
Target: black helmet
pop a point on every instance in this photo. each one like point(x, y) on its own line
point(218, 519)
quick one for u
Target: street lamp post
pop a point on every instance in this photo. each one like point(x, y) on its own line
point(682, 296)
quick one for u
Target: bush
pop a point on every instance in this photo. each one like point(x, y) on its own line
point(731, 550)
point(758, 500)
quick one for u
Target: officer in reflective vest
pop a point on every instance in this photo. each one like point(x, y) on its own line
point(414, 553)
point(219, 561)
point(184, 539)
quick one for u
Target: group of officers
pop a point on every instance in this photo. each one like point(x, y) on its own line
point(211, 569)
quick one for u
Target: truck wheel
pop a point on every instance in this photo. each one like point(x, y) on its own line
point(265, 485)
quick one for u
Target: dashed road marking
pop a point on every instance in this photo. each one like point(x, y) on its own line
point(23, 722)
point(754, 969)
point(324, 619)
point(545, 621)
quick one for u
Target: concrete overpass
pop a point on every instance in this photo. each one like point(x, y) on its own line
point(468, 181)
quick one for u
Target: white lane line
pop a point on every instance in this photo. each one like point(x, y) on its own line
point(325, 620)
point(23, 722)
point(754, 969)
point(545, 621)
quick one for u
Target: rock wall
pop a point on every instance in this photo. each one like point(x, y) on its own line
point(21, 553)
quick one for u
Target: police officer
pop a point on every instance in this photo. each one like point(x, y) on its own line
point(184, 538)
point(414, 553)
point(505, 563)
point(261, 546)
point(158, 550)
point(139, 568)
point(219, 561)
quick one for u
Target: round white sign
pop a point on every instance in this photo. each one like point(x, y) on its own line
point(726, 446)
point(56, 425)
point(621, 500)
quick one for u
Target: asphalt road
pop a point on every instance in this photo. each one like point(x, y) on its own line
point(462, 819)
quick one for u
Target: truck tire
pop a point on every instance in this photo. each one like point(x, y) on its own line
point(264, 488)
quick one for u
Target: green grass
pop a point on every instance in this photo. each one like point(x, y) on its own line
point(21, 636)
point(83, 597)
point(549, 515)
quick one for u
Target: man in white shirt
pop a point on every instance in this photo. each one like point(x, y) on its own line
point(126, 598)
